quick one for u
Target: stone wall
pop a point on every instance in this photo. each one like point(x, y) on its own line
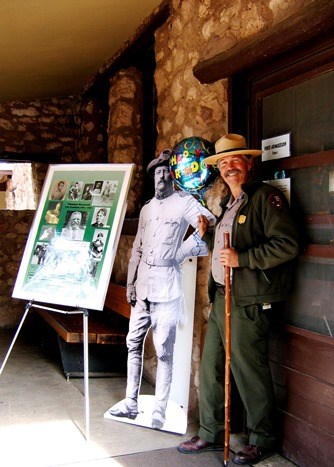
point(42, 127)
point(14, 230)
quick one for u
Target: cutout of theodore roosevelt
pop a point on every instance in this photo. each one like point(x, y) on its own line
point(154, 284)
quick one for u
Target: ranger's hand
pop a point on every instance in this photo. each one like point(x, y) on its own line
point(229, 257)
point(131, 294)
point(202, 225)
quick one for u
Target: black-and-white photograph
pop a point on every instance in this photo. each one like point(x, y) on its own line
point(59, 190)
point(87, 192)
point(97, 187)
point(74, 226)
point(107, 194)
point(39, 253)
point(97, 245)
point(48, 233)
point(75, 191)
point(100, 217)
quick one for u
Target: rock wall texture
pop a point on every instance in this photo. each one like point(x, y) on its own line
point(91, 115)
point(14, 230)
point(197, 30)
point(125, 129)
point(42, 127)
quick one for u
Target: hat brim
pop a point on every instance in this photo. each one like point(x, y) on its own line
point(152, 166)
point(212, 160)
point(163, 159)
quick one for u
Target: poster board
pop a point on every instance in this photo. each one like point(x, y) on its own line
point(72, 243)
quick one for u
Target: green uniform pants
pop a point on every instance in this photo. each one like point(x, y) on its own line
point(250, 368)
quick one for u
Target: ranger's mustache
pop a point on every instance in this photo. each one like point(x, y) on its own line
point(233, 171)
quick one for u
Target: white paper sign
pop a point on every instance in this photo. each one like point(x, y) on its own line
point(276, 148)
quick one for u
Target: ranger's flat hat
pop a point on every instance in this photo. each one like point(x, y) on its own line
point(229, 145)
point(163, 159)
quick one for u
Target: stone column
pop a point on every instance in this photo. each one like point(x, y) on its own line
point(125, 131)
point(22, 191)
point(92, 139)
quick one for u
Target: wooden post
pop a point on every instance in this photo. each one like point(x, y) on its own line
point(227, 355)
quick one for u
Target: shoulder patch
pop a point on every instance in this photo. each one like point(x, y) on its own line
point(276, 200)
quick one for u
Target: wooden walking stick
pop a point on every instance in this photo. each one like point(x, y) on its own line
point(227, 354)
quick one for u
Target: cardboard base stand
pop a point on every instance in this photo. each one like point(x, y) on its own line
point(176, 416)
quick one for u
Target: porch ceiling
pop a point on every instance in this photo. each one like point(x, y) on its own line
point(51, 48)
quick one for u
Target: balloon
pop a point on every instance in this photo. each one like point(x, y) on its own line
point(186, 165)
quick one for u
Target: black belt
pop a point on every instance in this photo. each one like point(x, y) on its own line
point(220, 288)
point(168, 263)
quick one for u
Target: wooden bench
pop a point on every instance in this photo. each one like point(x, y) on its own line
point(107, 332)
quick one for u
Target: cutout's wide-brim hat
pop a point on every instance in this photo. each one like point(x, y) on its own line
point(229, 145)
point(163, 159)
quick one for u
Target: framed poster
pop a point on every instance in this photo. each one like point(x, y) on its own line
point(72, 243)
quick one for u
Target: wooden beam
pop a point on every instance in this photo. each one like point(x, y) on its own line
point(316, 18)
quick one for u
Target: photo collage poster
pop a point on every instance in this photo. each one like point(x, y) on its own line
point(72, 243)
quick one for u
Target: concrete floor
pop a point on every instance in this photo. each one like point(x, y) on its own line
point(42, 420)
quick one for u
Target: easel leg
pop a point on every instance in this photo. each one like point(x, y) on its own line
point(16, 334)
point(86, 371)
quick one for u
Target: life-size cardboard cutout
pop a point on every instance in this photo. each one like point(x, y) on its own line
point(156, 292)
